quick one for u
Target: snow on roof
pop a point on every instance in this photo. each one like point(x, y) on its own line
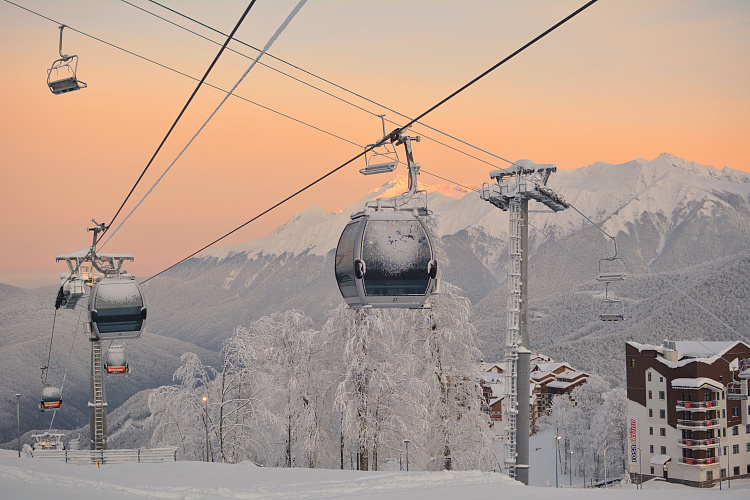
point(695, 383)
point(561, 384)
point(691, 351)
point(571, 375)
point(548, 367)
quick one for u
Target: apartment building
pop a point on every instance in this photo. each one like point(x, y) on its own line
point(688, 410)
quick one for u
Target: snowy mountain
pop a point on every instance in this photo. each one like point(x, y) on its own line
point(689, 222)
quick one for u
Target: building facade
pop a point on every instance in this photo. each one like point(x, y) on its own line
point(688, 409)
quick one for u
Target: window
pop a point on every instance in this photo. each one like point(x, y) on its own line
point(651, 449)
point(661, 379)
point(748, 447)
point(632, 362)
point(649, 376)
point(724, 432)
point(747, 429)
point(723, 413)
point(663, 450)
point(723, 473)
point(662, 432)
point(725, 451)
point(735, 449)
point(737, 471)
point(652, 471)
point(662, 414)
point(650, 431)
point(748, 468)
point(710, 475)
point(736, 430)
point(661, 394)
point(735, 412)
point(650, 395)
point(650, 413)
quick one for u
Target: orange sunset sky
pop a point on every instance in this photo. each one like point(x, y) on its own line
point(626, 79)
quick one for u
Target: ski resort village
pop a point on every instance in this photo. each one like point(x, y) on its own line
point(317, 249)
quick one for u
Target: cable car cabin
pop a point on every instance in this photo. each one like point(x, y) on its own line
point(61, 77)
point(116, 362)
point(51, 398)
point(117, 309)
point(385, 259)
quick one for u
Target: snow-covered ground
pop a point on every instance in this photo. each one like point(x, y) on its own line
point(36, 479)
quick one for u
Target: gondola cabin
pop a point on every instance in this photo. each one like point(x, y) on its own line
point(117, 309)
point(385, 259)
point(116, 362)
point(51, 398)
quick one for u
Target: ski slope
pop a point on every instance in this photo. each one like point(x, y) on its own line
point(37, 479)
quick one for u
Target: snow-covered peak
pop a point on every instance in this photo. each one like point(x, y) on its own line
point(615, 194)
point(400, 184)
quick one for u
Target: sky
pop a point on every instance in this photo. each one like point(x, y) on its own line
point(623, 80)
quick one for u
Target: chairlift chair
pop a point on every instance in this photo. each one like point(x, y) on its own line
point(116, 361)
point(735, 390)
point(51, 398)
point(380, 159)
point(611, 309)
point(61, 77)
point(117, 309)
point(612, 268)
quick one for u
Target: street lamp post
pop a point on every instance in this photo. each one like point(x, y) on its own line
point(570, 468)
point(205, 421)
point(18, 423)
point(640, 469)
point(557, 454)
point(406, 442)
point(584, 468)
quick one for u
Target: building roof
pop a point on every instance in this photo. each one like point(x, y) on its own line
point(696, 383)
point(691, 351)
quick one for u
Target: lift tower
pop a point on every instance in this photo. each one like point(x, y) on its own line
point(76, 285)
point(511, 191)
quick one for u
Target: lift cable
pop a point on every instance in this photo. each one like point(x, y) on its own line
point(184, 108)
point(493, 68)
point(379, 143)
point(49, 354)
point(324, 80)
point(67, 364)
point(268, 45)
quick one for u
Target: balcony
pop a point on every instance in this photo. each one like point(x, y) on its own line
point(697, 424)
point(696, 405)
point(699, 443)
point(698, 461)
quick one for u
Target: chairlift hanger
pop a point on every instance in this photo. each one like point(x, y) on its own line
point(68, 66)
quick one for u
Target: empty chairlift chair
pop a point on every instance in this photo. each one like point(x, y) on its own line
point(51, 398)
point(61, 77)
point(611, 309)
point(117, 309)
